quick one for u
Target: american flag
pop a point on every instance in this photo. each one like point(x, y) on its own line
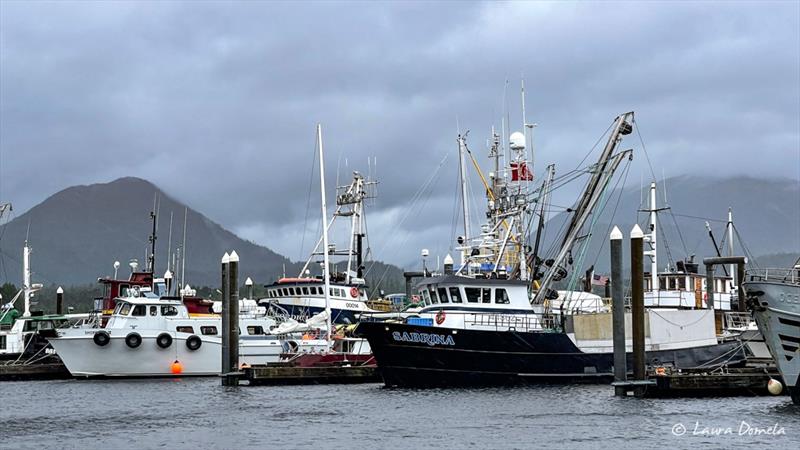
point(599, 280)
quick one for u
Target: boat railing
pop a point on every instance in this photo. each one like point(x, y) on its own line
point(736, 320)
point(516, 322)
point(777, 275)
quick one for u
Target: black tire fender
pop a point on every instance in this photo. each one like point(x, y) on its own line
point(193, 342)
point(164, 340)
point(133, 340)
point(101, 338)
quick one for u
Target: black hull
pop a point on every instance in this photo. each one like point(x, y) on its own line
point(409, 355)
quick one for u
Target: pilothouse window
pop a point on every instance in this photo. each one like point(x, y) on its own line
point(486, 295)
point(501, 297)
point(434, 297)
point(139, 310)
point(473, 294)
point(126, 308)
point(443, 295)
point(455, 295)
point(169, 310)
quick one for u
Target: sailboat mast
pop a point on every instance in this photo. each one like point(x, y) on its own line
point(325, 257)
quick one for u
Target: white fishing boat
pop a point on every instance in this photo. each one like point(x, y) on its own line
point(342, 293)
point(150, 336)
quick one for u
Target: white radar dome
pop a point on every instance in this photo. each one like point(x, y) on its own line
point(517, 141)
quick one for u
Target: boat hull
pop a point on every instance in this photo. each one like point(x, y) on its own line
point(776, 310)
point(84, 358)
point(425, 356)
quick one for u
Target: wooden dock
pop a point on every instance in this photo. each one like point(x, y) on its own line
point(39, 371)
point(724, 382)
point(291, 375)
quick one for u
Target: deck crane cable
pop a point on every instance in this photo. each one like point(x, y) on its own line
point(680, 235)
point(2, 233)
point(750, 257)
point(418, 200)
point(644, 148)
point(604, 197)
point(620, 181)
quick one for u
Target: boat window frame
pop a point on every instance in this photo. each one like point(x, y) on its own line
point(123, 311)
point(486, 295)
point(477, 297)
point(207, 330)
point(432, 293)
point(425, 296)
point(443, 298)
point(505, 296)
point(153, 310)
point(252, 330)
point(173, 311)
point(140, 308)
point(183, 328)
point(458, 297)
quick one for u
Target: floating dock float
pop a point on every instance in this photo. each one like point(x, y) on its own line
point(289, 375)
point(39, 371)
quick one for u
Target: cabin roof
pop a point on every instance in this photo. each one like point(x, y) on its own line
point(148, 301)
point(469, 281)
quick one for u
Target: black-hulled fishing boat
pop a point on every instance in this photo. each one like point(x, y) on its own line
point(497, 319)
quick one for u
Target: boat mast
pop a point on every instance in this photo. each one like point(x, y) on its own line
point(544, 199)
point(730, 245)
point(183, 249)
point(650, 238)
point(26, 278)
point(325, 257)
point(464, 197)
point(151, 258)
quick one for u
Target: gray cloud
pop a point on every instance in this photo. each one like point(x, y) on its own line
point(217, 102)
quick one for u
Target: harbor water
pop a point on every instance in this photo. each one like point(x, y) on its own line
point(199, 413)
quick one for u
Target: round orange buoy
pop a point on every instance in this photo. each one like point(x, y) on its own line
point(176, 368)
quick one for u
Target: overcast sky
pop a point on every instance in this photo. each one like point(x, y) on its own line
point(217, 103)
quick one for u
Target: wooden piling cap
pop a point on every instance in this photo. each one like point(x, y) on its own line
point(636, 232)
point(234, 257)
point(226, 258)
point(59, 290)
point(616, 234)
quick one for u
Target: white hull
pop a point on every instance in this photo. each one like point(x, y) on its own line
point(84, 358)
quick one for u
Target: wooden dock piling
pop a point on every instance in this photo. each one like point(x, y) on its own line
point(618, 311)
point(637, 306)
point(60, 300)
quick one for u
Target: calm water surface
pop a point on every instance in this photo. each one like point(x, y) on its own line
point(199, 413)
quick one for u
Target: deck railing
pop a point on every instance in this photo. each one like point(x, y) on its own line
point(777, 275)
point(516, 322)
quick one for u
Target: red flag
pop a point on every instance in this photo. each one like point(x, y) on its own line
point(520, 172)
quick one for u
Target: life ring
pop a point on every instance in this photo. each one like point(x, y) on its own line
point(164, 340)
point(440, 316)
point(133, 340)
point(354, 292)
point(193, 342)
point(101, 338)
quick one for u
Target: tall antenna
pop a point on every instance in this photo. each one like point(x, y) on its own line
point(183, 247)
point(169, 244)
point(151, 258)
